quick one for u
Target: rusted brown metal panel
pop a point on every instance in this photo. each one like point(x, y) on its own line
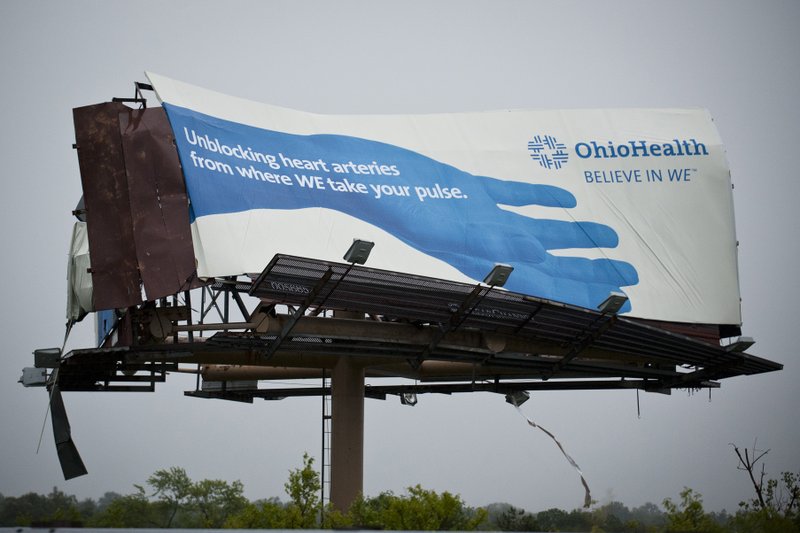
point(158, 203)
point(115, 275)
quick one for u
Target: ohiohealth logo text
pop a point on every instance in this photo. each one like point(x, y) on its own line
point(551, 154)
point(610, 150)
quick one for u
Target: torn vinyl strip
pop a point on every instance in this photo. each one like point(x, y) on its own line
point(587, 499)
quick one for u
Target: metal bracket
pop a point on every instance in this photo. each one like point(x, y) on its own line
point(138, 97)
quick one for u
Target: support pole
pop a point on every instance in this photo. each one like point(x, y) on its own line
point(347, 433)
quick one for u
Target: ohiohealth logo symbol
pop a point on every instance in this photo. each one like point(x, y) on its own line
point(548, 152)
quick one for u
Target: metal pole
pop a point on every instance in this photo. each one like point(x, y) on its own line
point(322, 454)
point(347, 433)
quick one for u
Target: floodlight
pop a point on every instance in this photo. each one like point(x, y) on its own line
point(740, 344)
point(46, 357)
point(613, 303)
point(408, 398)
point(517, 398)
point(358, 251)
point(499, 275)
point(33, 377)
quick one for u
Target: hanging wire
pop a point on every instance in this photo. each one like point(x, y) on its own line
point(587, 500)
point(638, 407)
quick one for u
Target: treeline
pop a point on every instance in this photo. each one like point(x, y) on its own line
point(173, 500)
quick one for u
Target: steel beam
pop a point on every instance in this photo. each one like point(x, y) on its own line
point(347, 432)
point(347, 427)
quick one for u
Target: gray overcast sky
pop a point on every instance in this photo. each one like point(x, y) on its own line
point(738, 59)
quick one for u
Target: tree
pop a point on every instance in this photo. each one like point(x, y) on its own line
point(303, 490)
point(35, 508)
point(423, 509)
point(214, 501)
point(514, 519)
point(648, 514)
point(689, 515)
point(776, 504)
point(364, 513)
point(552, 519)
point(86, 508)
point(179, 502)
point(172, 488)
point(130, 511)
point(263, 514)
point(613, 516)
point(106, 499)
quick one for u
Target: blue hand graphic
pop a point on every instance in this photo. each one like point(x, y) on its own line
point(436, 208)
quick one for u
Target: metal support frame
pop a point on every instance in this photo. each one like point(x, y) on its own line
point(138, 97)
point(297, 315)
point(212, 303)
point(605, 322)
point(494, 341)
point(380, 392)
point(456, 319)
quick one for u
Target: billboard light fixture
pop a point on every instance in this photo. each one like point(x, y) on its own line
point(740, 344)
point(408, 398)
point(517, 397)
point(499, 275)
point(613, 303)
point(358, 253)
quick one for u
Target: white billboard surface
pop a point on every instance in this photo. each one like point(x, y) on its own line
point(580, 202)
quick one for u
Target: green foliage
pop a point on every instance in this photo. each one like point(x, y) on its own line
point(302, 511)
point(645, 518)
point(776, 505)
point(762, 521)
point(513, 519)
point(365, 513)
point(688, 515)
point(303, 489)
point(552, 519)
point(215, 501)
point(613, 516)
point(419, 509)
point(780, 511)
point(130, 511)
point(172, 499)
point(176, 501)
point(31, 508)
point(172, 488)
point(263, 514)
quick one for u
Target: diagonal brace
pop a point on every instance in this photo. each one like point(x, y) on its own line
point(582, 344)
point(456, 319)
point(298, 314)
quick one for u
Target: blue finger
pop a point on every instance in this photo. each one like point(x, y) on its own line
point(531, 280)
point(518, 194)
point(561, 235)
point(502, 243)
point(604, 271)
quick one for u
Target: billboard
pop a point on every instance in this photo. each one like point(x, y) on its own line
point(579, 202)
